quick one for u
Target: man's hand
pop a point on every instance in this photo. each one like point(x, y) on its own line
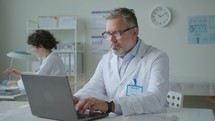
point(92, 104)
point(75, 99)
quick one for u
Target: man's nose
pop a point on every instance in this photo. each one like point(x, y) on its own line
point(112, 38)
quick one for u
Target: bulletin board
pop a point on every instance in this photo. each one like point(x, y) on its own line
point(201, 29)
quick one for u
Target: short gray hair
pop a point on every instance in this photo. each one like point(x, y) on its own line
point(127, 14)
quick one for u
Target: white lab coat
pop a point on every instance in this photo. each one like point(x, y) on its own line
point(150, 67)
point(51, 65)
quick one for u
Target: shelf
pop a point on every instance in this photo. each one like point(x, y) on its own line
point(67, 51)
point(73, 74)
point(52, 28)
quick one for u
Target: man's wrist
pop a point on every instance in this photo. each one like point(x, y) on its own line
point(110, 106)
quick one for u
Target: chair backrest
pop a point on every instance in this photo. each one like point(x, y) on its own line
point(175, 99)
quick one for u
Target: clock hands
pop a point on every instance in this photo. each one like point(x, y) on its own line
point(162, 14)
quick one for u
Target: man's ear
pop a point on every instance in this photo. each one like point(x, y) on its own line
point(135, 32)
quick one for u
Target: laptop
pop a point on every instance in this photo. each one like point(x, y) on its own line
point(51, 97)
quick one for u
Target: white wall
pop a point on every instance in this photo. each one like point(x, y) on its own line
point(187, 62)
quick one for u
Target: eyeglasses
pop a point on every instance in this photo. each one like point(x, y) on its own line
point(116, 34)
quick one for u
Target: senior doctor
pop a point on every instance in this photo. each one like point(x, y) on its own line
point(131, 79)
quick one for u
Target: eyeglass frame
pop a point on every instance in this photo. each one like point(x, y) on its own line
point(116, 33)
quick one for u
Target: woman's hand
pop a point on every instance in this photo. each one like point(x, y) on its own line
point(12, 71)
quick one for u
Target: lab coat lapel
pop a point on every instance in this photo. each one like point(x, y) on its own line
point(136, 61)
point(131, 68)
point(115, 67)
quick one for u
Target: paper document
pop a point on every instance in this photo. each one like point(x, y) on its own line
point(3, 87)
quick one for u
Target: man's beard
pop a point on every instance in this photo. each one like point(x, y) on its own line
point(121, 52)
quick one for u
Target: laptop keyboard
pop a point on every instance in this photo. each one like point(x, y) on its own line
point(91, 116)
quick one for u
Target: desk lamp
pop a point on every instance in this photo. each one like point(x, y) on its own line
point(22, 55)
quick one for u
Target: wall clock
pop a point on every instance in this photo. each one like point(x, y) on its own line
point(161, 16)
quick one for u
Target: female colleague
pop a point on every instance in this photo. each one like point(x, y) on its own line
point(42, 42)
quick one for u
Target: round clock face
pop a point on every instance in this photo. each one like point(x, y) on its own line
point(161, 16)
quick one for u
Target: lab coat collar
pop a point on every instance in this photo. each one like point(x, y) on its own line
point(133, 64)
point(135, 61)
point(115, 67)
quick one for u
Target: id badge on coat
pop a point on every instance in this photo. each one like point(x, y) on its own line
point(134, 89)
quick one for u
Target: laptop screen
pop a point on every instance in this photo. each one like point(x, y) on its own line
point(50, 97)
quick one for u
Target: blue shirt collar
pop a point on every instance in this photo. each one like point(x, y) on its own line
point(132, 52)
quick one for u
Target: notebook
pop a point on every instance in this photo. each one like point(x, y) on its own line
point(50, 97)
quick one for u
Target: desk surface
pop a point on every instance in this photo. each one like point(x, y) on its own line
point(10, 97)
point(20, 111)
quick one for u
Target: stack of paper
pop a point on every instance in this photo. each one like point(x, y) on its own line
point(9, 90)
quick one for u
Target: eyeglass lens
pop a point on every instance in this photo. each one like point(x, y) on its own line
point(116, 34)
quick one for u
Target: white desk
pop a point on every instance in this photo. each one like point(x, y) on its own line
point(10, 97)
point(19, 96)
point(20, 111)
